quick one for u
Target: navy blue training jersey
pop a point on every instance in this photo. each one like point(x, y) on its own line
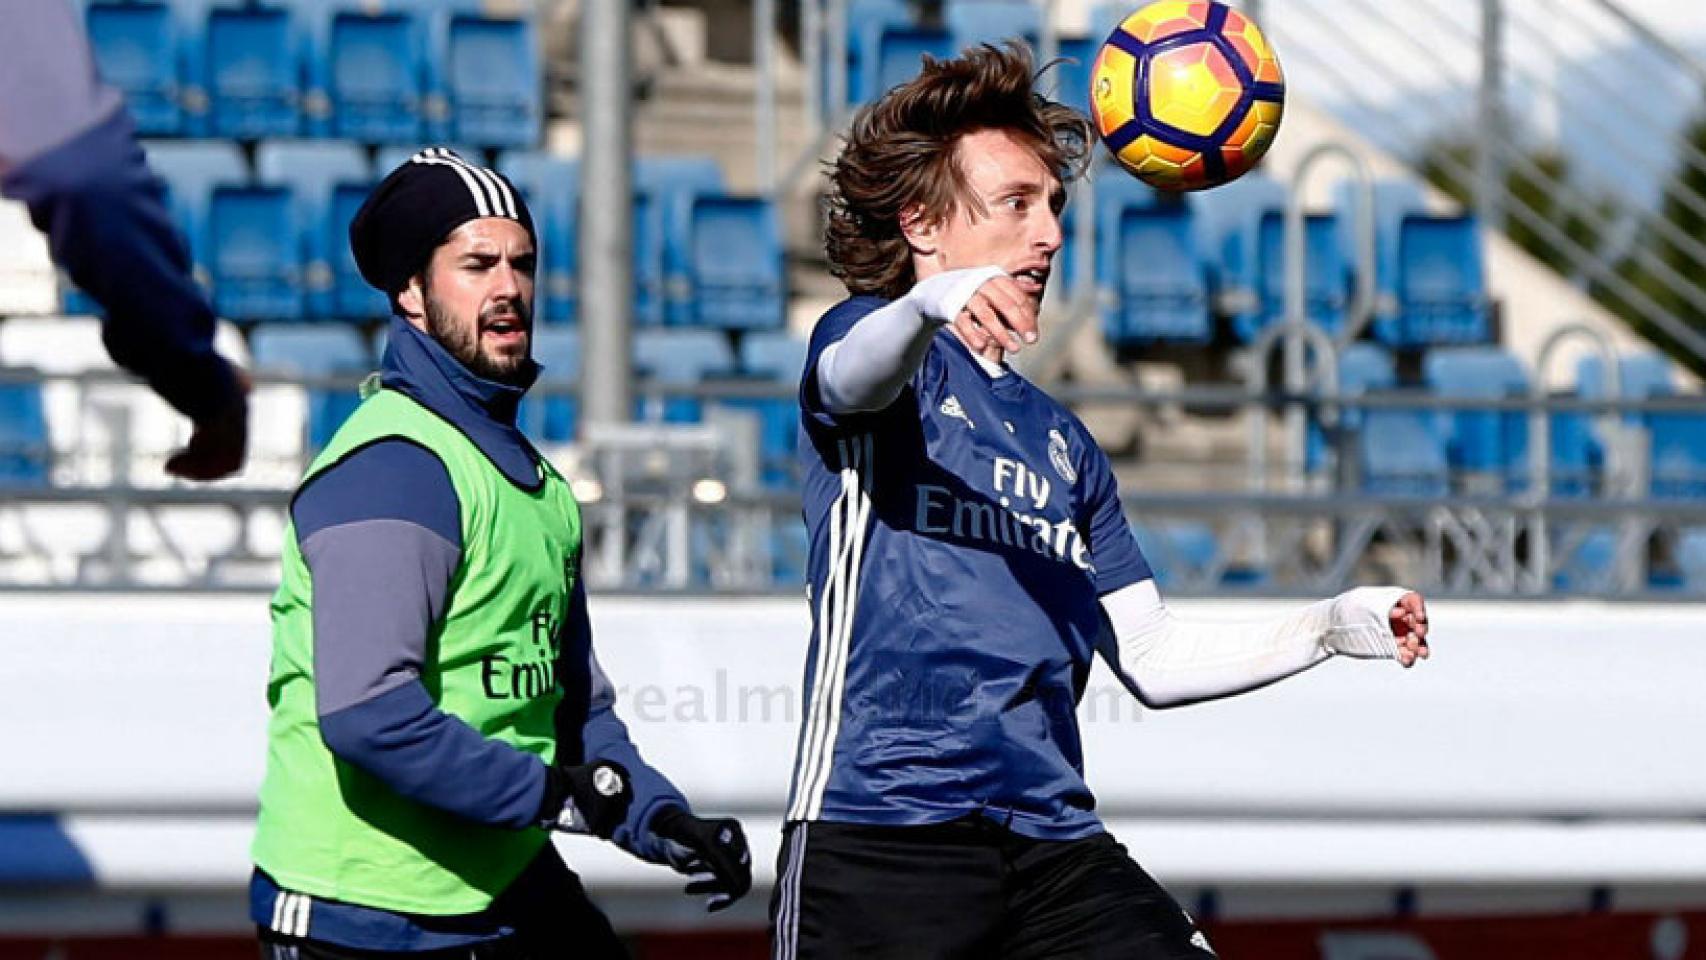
point(960, 539)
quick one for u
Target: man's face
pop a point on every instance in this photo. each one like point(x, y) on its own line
point(1011, 220)
point(476, 297)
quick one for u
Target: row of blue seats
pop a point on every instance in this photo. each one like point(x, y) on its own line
point(1212, 265)
point(272, 244)
point(1418, 452)
point(396, 72)
point(670, 357)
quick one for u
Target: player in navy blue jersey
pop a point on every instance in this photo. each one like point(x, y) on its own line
point(969, 556)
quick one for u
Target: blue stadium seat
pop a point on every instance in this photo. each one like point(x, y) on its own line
point(546, 416)
point(253, 71)
point(1640, 375)
point(310, 351)
point(1442, 284)
point(867, 20)
point(494, 81)
point(137, 48)
point(551, 186)
point(665, 188)
point(972, 22)
point(1678, 454)
point(1160, 283)
point(254, 236)
point(191, 171)
point(376, 68)
point(1326, 281)
point(1400, 453)
point(1485, 442)
point(680, 356)
point(25, 455)
point(898, 52)
point(736, 263)
point(317, 174)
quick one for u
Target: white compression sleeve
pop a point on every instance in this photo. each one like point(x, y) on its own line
point(1166, 661)
point(866, 369)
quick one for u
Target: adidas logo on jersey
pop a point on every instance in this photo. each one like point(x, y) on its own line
point(951, 408)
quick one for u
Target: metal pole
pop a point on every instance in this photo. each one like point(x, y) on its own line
point(836, 49)
point(811, 48)
point(1296, 273)
point(606, 272)
point(764, 64)
point(1489, 165)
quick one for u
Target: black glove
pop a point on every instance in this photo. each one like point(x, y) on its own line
point(590, 798)
point(712, 853)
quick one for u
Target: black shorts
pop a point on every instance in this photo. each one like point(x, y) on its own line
point(968, 889)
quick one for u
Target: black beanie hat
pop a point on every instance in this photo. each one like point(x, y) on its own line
point(413, 209)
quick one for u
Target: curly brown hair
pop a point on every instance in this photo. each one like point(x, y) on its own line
point(900, 153)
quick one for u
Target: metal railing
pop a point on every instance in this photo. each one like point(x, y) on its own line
point(686, 507)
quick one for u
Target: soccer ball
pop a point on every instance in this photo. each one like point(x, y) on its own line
point(1186, 94)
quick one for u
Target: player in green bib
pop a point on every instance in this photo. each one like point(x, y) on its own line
point(436, 705)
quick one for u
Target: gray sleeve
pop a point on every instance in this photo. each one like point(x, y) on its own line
point(49, 90)
point(379, 585)
point(867, 369)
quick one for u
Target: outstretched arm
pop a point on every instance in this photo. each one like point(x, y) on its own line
point(1167, 661)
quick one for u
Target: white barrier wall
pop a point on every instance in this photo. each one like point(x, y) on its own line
point(113, 706)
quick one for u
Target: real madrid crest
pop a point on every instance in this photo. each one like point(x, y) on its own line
point(1061, 457)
